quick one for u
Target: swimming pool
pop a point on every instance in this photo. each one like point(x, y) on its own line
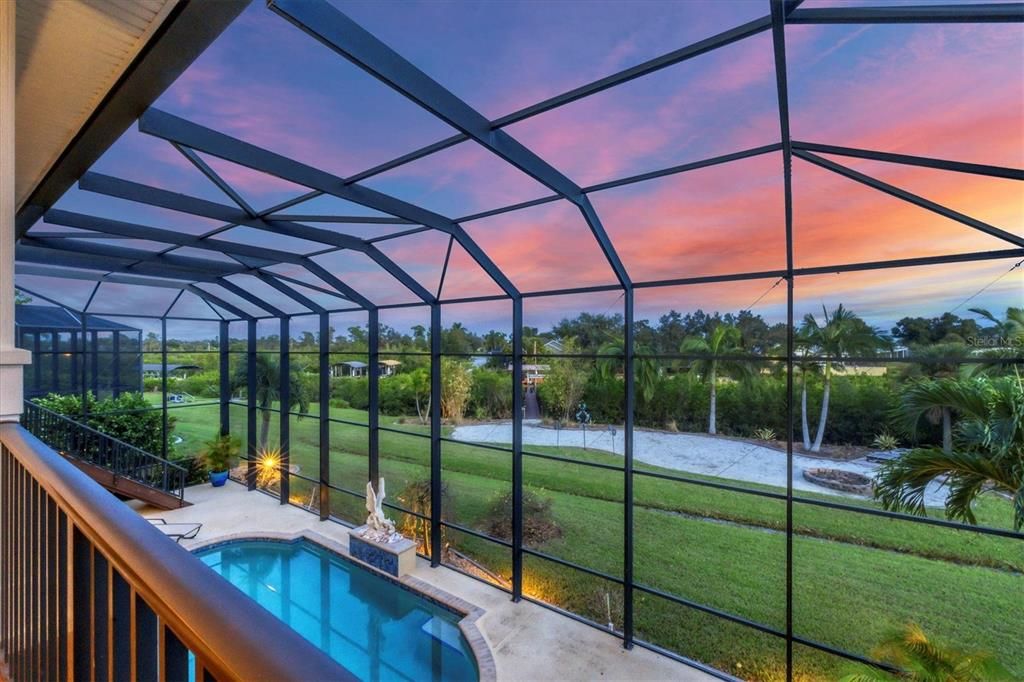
point(374, 627)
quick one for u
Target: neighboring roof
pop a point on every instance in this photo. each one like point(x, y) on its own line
point(157, 367)
point(390, 363)
point(555, 345)
point(52, 317)
point(354, 364)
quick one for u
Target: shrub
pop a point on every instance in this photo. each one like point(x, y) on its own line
point(128, 417)
point(220, 451)
point(353, 390)
point(538, 522)
point(764, 433)
point(456, 385)
point(885, 441)
point(416, 498)
point(490, 396)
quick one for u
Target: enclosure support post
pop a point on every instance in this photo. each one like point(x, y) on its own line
point(163, 383)
point(285, 391)
point(782, 89)
point(325, 412)
point(225, 378)
point(435, 434)
point(250, 375)
point(517, 448)
point(115, 369)
point(627, 523)
point(373, 374)
point(83, 369)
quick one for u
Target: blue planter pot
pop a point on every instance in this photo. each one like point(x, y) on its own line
point(218, 478)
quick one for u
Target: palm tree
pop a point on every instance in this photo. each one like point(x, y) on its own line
point(718, 348)
point(1008, 343)
point(645, 369)
point(922, 660)
point(937, 361)
point(806, 367)
point(843, 334)
point(1011, 329)
point(987, 453)
point(268, 390)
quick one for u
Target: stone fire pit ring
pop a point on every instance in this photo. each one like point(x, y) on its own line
point(843, 481)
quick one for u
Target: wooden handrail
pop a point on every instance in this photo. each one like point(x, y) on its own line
point(231, 636)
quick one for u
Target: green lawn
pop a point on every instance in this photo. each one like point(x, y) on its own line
point(856, 576)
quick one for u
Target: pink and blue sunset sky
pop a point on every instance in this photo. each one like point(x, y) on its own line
point(945, 91)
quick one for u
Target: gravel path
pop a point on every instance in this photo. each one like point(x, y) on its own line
point(721, 457)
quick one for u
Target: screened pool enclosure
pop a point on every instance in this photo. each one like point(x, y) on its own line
point(332, 216)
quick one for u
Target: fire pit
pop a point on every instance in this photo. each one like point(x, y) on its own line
point(837, 479)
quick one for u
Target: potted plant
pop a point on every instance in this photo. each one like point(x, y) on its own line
point(221, 450)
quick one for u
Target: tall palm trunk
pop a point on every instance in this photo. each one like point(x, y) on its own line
point(714, 399)
point(824, 409)
point(947, 430)
point(803, 413)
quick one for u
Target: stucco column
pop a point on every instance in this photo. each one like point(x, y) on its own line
point(11, 359)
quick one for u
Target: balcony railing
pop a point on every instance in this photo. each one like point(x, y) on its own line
point(90, 591)
point(75, 439)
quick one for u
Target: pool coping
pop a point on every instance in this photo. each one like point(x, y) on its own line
point(485, 664)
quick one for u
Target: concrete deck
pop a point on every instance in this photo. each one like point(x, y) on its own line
point(528, 642)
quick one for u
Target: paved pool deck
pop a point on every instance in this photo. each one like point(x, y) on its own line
point(527, 641)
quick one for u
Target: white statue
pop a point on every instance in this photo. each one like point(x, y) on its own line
point(379, 528)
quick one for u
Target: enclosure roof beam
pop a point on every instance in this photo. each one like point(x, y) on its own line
point(183, 203)
point(153, 196)
point(908, 160)
point(74, 260)
point(338, 32)
point(243, 293)
point(302, 300)
point(913, 14)
point(174, 129)
point(213, 177)
point(93, 276)
point(696, 49)
point(892, 190)
point(213, 298)
point(198, 266)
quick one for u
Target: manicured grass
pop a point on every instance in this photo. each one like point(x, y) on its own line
point(856, 576)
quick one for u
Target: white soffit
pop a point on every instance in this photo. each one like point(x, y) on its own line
point(70, 53)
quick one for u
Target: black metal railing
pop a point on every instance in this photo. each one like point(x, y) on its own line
point(90, 591)
point(77, 440)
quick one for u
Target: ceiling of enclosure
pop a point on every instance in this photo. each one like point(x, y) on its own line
point(329, 156)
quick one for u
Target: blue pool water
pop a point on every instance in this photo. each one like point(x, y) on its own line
point(375, 628)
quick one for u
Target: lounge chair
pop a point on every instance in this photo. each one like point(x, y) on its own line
point(177, 531)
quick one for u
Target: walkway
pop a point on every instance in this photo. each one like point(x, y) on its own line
point(532, 407)
point(713, 456)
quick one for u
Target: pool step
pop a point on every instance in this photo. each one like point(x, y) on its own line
point(444, 632)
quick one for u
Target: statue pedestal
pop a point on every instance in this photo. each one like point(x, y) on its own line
point(396, 558)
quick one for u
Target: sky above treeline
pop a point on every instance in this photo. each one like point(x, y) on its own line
point(946, 91)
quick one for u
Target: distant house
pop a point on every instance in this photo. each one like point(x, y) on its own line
point(357, 368)
point(533, 374)
point(554, 346)
point(106, 355)
point(349, 368)
point(156, 370)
